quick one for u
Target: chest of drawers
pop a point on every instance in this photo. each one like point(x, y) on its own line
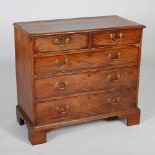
point(72, 71)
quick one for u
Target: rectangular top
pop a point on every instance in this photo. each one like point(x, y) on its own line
point(84, 24)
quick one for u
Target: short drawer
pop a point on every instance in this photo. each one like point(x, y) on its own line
point(67, 84)
point(77, 107)
point(116, 37)
point(61, 42)
point(78, 61)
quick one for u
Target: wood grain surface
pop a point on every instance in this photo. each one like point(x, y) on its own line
point(94, 80)
point(99, 58)
point(73, 71)
point(47, 27)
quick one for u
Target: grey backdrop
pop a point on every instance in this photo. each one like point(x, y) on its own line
point(99, 137)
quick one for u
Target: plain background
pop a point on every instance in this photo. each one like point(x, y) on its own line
point(98, 137)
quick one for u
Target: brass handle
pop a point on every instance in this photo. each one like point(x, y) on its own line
point(62, 109)
point(137, 45)
point(61, 41)
point(61, 85)
point(114, 77)
point(114, 56)
point(114, 101)
point(62, 63)
point(116, 36)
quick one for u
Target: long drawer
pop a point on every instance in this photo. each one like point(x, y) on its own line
point(75, 107)
point(67, 84)
point(77, 61)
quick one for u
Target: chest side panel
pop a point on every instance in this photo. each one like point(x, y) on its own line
point(24, 72)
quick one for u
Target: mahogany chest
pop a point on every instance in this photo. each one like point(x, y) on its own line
point(72, 71)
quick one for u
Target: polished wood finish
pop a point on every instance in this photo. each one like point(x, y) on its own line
point(36, 138)
point(104, 38)
point(24, 71)
point(86, 24)
point(73, 107)
point(107, 79)
point(73, 71)
point(98, 58)
point(133, 119)
point(59, 42)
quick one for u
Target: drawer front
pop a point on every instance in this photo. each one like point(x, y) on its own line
point(61, 42)
point(95, 59)
point(94, 80)
point(116, 37)
point(86, 105)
